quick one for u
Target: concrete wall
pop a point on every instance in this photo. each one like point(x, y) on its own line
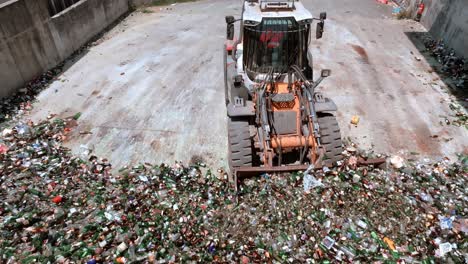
point(448, 20)
point(32, 42)
point(141, 2)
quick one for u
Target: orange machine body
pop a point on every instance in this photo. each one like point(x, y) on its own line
point(289, 142)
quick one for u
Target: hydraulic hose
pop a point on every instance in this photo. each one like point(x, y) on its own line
point(309, 88)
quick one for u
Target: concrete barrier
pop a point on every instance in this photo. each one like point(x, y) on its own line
point(448, 20)
point(32, 41)
point(444, 19)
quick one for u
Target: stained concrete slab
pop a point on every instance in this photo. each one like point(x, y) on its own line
point(152, 89)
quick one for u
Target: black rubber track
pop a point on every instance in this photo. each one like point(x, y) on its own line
point(331, 139)
point(240, 143)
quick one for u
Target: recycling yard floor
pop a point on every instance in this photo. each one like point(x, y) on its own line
point(152, 90)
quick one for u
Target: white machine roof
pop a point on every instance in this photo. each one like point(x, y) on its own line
point(253, 11)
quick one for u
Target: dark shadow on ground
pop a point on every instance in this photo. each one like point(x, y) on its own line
point(451, 68)
point(448, 75)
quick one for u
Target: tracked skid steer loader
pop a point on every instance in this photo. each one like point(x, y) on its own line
point(277, 121)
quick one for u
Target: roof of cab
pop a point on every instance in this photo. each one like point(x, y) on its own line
point(253, 12)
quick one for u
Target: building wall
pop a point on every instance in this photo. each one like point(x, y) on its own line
point(448, 20)
point(31, 41)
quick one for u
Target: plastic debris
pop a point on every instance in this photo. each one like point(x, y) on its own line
point(355, 120)
point(397, 162)
point(121, 260)
point(356, 178)
point(446, 222)
point(7, 132)
point(180, 214)
point(389, 243)
point(310, 182)
point(57, 199)
point(426, 197)
point(361, 224)
point(3, 149)
point(85, 151)
point(351, 149)
point(328, 242)
point(445, 248)
point(23, 130)
point(396, 10)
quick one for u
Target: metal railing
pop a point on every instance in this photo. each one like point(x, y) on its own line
point(276, 43)
point(57, 6)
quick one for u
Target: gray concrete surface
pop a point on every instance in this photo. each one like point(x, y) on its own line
point(448, 20)
point(380, 76)
point(32, 42)
point(152, 89)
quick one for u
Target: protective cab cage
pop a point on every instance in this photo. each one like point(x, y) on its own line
point(275, 43)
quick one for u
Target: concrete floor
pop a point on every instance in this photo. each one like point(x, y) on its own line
point(152, 89)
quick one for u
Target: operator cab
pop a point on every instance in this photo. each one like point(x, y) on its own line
point(275, 35)
point(275, 44)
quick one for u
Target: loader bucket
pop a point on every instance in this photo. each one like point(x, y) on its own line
point(245, 172)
